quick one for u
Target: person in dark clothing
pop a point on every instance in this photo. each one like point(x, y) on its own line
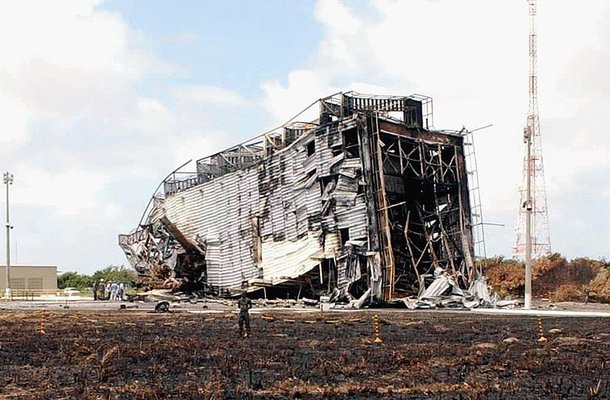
point(101, 288)
point(96, 284)
point(244, 305)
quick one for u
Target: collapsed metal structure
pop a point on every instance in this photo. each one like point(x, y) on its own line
point(367, 199)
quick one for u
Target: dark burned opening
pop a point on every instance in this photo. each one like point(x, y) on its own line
point(425, 209)
point(344, 233)
point(324, 182)
point(311, 148)
point(350, 139)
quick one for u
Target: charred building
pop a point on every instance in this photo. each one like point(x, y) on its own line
point(367, 198)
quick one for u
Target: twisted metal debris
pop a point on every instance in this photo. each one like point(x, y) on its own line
point(365, 199)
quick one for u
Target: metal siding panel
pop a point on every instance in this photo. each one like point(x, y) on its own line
point(220, 208)
point(289, 259)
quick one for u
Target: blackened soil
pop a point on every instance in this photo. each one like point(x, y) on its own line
point(134, 355)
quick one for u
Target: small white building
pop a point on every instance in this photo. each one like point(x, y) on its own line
point(30, 280)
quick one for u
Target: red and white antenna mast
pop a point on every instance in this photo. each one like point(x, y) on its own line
point(533, 238)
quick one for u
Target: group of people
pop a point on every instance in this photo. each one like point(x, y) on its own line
point(113, 291)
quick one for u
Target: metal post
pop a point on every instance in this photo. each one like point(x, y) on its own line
point(8, 180)
point(528, 221)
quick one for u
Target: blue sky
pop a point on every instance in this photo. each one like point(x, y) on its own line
point(99, 100)
point(234, 44)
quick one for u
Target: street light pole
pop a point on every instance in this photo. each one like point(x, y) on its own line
point(8, 180)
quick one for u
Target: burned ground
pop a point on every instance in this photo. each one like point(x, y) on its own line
point(312, 355)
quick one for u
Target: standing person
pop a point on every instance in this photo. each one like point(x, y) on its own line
point(114, 288)
point(101, 295)
point(244, 305)
point(121, 291)
point(96, 284)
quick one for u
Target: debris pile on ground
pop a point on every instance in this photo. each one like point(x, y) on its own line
point(442, 292)
point(138, 355)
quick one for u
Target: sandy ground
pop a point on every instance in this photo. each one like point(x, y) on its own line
point(540, 307)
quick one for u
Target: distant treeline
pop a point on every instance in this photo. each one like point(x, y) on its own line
point(116, 273)
point(553, 277)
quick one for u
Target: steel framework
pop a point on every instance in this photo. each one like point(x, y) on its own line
point(533, 216)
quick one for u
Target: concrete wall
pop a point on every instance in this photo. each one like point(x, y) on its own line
point(41, 279)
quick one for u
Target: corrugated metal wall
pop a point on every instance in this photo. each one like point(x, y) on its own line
point(284, 192)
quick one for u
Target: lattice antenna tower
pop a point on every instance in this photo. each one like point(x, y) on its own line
point(533, 203)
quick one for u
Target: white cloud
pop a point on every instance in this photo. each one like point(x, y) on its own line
point(61, 62)
point(337, 18)
point(181, 38)
point(213, 95)
point(77, 132)
point(199, 145)
point(284, 102)
point(153, 117)
point(72, 194)
point(13, 127)
point(70, 32)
